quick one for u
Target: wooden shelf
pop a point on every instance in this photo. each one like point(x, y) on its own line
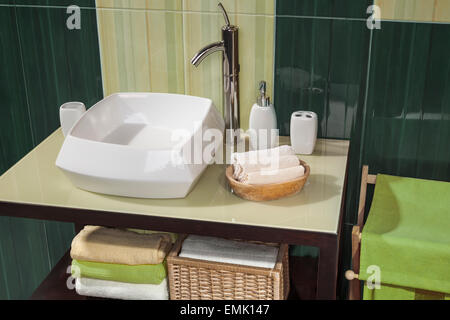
point(54, 287)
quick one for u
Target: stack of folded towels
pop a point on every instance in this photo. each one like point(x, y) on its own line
point(274, 165)
point(120, 264)
point(229, 251)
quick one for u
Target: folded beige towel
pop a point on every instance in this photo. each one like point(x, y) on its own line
point(173, 236)
point(108, 245)
point(261, 155)
point(273, 176)
point(266, 165)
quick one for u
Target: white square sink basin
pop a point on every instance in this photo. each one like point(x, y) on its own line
point(130, 144)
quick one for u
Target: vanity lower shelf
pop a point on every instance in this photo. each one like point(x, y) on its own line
point(54, 286)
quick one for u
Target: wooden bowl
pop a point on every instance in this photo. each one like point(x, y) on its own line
point(270, 191)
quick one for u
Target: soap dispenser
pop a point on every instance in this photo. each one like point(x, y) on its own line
point(263, 122)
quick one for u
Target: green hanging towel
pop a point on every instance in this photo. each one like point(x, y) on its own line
point(407, 236)
point(391, 292)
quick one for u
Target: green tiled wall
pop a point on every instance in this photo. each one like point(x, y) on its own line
point(323, 8)
point(408, 102)
point(43, 65)
point(387, 90)
point(320, 66)
point(60, 65)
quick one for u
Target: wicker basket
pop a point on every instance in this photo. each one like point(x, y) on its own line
point(192, 279)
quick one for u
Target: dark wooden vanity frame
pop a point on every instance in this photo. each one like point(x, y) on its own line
point(54, 286)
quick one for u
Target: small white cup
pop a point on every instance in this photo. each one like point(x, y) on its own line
point(69, 114)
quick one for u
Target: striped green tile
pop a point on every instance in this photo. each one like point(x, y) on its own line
point(231, 6)
point(15, 140)
point(406, 127)
point(255, 57)
point(141, 4)
point(59, 237)
point(321, 66)
point(151, 51)
point(44, 66)
point(415, 10)
point(141, 50)
point(206, 79)
point(10, 287)
point(324, 8)
point(32, 259)
point(408, 103)
point(60, 3)
point(60, 65)
point(15, 133)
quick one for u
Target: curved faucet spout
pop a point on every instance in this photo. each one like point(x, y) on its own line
point(206, 51)
point(230, 74)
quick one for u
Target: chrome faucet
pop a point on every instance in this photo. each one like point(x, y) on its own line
point(230, 70)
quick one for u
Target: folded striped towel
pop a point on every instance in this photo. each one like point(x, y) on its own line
point(268, 166)
point(264, 164)
point(229, 251)
point(261, 156)
point(120, 290)
point(272, 176)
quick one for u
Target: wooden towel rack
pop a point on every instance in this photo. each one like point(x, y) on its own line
point(353, 275)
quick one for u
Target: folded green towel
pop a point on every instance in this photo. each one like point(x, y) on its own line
point(144, 274)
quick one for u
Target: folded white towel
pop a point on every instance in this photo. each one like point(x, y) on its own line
point(261, 155)
point(272, 176)
point(229, 251)
point(121, 290)
point(265, 165)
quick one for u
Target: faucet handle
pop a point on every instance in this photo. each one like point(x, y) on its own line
point(225, 15)
point(263, 100)
point(262, 87)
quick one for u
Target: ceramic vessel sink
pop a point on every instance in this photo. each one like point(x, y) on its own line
point(134, 144)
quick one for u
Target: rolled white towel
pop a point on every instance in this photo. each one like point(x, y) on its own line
point(121, 290)
point(266, 165)
point(261, 155)
point(272, 176)
point(229, 251)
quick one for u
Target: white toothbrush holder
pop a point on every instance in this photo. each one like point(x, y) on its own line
point(303, 131)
